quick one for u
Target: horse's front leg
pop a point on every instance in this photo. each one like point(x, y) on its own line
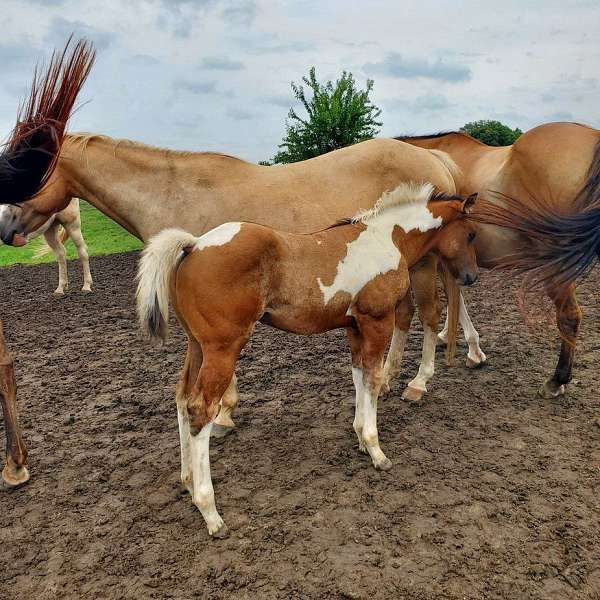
point(568, 319)
point(403, 318)
point(424, 284)
point(15, 472)
point(475, 356)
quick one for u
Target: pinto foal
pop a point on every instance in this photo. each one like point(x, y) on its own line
point(351, 275)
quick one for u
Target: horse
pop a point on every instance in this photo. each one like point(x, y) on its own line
point(352, 275)
point(538, 213)
point(147, 189)
point(57, 230)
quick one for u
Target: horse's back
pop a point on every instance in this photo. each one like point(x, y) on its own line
point(551, 161)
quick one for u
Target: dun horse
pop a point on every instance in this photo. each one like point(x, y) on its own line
point(70, 221)
point(147, 189)
point(352, 275)
point(539, 213)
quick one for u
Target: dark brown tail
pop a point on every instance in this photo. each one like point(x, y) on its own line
point(453, 296)
point(30, 155)
point(562, 247)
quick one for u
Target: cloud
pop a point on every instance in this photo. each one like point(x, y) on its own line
point(216, 63)
point(394, 65)
point(240, 12)
point(197, 87)
point(60, 30)
point(240, 114)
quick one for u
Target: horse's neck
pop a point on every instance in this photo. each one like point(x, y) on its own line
point(143, 189)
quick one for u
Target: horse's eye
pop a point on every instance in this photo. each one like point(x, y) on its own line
point(471, 236)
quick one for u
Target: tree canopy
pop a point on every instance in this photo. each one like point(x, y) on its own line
point(492, 133)
point(338, 115)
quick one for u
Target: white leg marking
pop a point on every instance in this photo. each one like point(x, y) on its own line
point(228, 403)
point(393, 361)
point(369, 431)
point(184, 445)
point(204, 496)
point(475, 354)
point(357, 378)
point(443, 334)
point(427, 366)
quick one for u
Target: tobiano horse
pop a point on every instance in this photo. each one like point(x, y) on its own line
point(352, 275)
point(56, 231)
point(538, 214)
point(148, 189)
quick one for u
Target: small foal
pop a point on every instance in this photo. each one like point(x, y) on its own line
point(351, 275)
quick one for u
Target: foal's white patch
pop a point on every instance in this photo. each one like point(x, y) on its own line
point(373, 252)
point(218, 236)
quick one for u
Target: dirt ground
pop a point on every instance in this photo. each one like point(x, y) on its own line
point(494, 492)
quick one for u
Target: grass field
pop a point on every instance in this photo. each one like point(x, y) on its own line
point(102, 235)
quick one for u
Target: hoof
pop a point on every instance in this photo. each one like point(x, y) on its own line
point(58, 293)
point(383, 465)
point(221, 533)
point(412, 394)
point(551, 389)
point(86, 290)
point(220, 431)
point(14, 476)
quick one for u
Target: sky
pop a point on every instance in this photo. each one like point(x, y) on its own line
point(215, 75)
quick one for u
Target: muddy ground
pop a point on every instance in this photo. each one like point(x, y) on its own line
point(494, 492)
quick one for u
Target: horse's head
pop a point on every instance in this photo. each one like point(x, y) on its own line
point(455, 240)
point(30, 174)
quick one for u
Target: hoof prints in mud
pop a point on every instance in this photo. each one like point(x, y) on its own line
point(493, 491)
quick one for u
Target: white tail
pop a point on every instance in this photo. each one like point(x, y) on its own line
point(159, 261)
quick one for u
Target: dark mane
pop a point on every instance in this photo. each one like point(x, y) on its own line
point(564, 247)
point(439, 134)
point(31, 152)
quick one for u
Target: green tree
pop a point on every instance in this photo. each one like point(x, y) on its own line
point(337, 115)
point(492, 133)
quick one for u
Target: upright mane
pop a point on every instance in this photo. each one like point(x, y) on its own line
point(407, 193)
point(31, 152)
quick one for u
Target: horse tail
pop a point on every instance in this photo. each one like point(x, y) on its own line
point(449, 163)
point(158, 263)
point(31, 153)
point(453, 295)
point(562, 247)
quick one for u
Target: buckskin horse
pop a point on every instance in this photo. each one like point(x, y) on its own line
point(539, 212)
point(352, 275)
point(148, 189)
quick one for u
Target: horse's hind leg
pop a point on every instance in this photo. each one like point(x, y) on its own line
point(403, 318)
point(53, 240)
point(568, 319)
point(15, 472)
point(215, 376)
point(224, 423)
point(74, 230)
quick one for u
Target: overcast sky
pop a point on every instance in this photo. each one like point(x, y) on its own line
point(215, 75)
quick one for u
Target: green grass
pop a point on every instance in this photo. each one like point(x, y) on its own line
point(102, 236)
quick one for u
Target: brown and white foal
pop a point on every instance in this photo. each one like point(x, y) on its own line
point(352, 275)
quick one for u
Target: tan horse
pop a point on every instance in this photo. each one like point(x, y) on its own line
point(147, 189)
point(549, 218)
point(352, 275)
point(56, 231)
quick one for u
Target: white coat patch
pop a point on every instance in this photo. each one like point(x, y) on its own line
point(373, 252)
point(218, 236)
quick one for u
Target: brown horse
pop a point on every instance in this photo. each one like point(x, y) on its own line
point(539, 213)
point(353, 275)
point(26, 164)
point(148, 189)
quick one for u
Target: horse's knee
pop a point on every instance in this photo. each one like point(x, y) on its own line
point(200, 412)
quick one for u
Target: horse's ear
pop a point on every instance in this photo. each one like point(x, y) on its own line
point(467, 205)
